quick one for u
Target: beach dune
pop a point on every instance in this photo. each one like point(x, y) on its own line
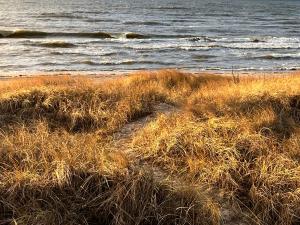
point(151, 147)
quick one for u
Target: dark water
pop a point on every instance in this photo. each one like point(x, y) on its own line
point(90, 35)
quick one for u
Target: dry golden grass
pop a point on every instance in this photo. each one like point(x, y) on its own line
point(241, 138)
point(59, 164)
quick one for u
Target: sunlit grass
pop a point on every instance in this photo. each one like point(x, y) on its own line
point(59, 163)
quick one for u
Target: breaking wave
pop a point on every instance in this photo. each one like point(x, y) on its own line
point(127, 35)
point(41, 34)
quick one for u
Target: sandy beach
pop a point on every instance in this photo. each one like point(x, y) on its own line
point(107, 75)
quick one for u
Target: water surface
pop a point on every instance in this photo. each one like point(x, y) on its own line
point(90, 35)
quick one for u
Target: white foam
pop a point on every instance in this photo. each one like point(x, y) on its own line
point(266, 43)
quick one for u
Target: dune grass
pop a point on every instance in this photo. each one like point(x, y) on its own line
point(228, 142)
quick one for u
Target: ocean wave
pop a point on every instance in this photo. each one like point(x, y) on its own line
point(60, 15)
point(171, 8)
point(279, 56)
point(290, 22)
point(133, 62)
point(41, 34)
point(197, 48)
point(220, 14)
point(165, 46)
point(258, 40)
point(131, 35)
point(112, 53)
point(68, 53)
point(102, 35)
point(55, 44)
point(22, 34)
point(268, 44)
point(202, 58)
point(56, 53)
point(89, 62)
point(149, 23)
point(81, 53)
point(202, 38)
point(51, 64)
point(108, 63)
point(95, 20)
point(134, 36)
point(173, 36)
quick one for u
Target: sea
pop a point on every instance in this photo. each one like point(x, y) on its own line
point(126, 35)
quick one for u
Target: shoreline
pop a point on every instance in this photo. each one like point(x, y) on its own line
point(117, 74)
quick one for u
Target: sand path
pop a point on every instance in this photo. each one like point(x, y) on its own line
point(230, 215)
